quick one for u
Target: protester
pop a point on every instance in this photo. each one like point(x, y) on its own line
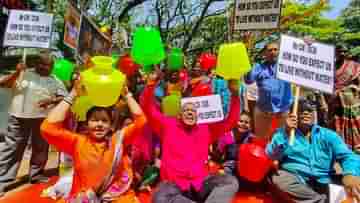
point(34, 93)
point(198, 80)
point(185, 147)
point(307, 167)
point(248, 98)
point(66, 170)
point(241, 135)
point(149, 176)
point(274, 95)
point(102, 171)
point(321, 108)
point(142, 148)
point(174, 84)
point(347, 112)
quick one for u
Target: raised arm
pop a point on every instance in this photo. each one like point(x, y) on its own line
point(155, 118)
point(54, 132)
point(139, 119)
point(220, 128)
point(10, 80)
point(251, 76)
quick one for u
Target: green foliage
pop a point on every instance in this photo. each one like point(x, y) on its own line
point(176, 20)
point(350, 38)
point(313, 23)
point(308, 20)
point(213, 33)
point(351, 16)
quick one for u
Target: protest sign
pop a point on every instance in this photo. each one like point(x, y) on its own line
point(28, 29)
point(257, 14)
point(209, 108)
point(72, 26)
point(308, 65)
point(91, 40)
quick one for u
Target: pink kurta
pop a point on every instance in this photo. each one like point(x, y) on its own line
point(185, 151)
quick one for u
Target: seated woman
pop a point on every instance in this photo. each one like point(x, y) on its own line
point(240, 135)
point(102, 171)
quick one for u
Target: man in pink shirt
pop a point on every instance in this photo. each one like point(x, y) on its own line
point(185, 145)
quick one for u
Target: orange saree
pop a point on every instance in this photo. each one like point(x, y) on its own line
point(93, 159)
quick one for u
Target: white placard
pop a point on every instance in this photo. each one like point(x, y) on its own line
point(306, 65)
point(257, 14)
point(337, 194)
point(209, 108)
point(28, 29)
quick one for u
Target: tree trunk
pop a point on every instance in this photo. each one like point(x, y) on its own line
point(128, 7)
point(49, 6)
point(197, 25)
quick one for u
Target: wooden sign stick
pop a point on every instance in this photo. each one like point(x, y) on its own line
point(294, 112)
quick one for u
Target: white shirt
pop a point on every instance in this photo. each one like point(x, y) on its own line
point(30, 90)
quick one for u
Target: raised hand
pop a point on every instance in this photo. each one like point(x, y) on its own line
point(234, 87)
point(20, 67)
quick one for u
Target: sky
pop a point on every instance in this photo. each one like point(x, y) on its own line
point(337, 6)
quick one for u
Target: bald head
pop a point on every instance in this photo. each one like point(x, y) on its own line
point(46, 62)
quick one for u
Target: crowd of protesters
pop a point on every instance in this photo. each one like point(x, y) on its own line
point(132, 146)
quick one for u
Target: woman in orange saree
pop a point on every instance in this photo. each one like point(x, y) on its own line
point(102, 172)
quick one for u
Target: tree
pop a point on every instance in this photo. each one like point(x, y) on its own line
point(193, 26)
point(213, 32)
point(350, 38)
point(307, 19)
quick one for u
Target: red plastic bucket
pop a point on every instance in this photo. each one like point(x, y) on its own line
point(261, 142)
point(253, 163)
